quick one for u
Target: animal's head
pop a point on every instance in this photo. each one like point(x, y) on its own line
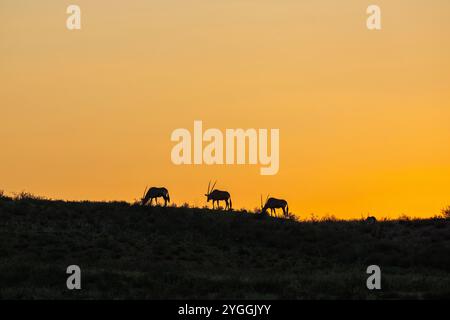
point(145, 197)
point(264, 206)
point(210, 190)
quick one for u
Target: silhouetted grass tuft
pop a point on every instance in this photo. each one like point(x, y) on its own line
point(3, 196)
point(446, 212)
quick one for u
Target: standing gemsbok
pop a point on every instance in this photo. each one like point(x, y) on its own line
point(217, 196)
point(155, 193)
point(272, 204)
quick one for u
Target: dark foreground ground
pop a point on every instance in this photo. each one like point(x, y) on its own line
point(130, 252)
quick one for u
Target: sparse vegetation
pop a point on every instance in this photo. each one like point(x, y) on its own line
point(135, 252)
point(27, 196)
point(446, 212)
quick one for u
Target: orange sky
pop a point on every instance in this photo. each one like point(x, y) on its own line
point(363, 116)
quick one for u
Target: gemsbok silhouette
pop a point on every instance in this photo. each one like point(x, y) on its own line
point(155, 193)
point(217, 196)
point(272, 204)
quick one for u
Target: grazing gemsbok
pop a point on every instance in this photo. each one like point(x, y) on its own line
point(272, 204)
point(217, 195)
point(155, 193)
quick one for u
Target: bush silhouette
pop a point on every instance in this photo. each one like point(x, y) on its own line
point(446, 212)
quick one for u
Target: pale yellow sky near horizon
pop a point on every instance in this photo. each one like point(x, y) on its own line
point(363, 115)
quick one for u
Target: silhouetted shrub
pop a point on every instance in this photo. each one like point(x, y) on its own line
point(446, 212)
point(2, 195)
point(328, 218)
point(293, 217)
point(27, 196)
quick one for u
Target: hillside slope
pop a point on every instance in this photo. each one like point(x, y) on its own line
point(127, 251)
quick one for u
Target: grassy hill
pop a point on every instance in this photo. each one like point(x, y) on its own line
point(127, 251)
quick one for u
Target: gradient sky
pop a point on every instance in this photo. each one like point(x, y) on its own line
point(363, 116)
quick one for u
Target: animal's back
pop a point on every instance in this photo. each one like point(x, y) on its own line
point(278, 202)
point(221, 193)
point(158, 191)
